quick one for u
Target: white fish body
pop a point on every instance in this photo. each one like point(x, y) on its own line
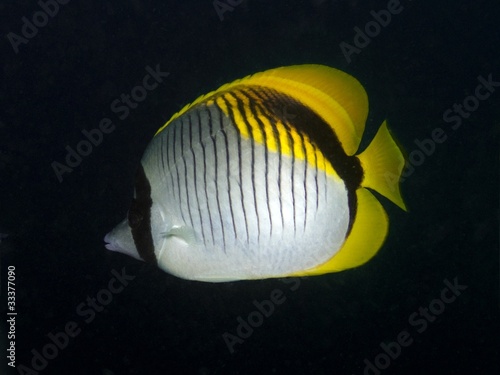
point(250, 182)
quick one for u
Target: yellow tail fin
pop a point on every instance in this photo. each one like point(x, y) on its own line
point(383, 164)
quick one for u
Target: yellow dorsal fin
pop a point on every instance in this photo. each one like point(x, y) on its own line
point(366, 238)
point(334, 95)
point(383, 164)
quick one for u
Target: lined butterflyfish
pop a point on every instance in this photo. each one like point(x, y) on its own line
point(261, 178)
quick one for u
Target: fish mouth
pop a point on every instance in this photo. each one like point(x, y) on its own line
point(115, 242)
point(111, 243)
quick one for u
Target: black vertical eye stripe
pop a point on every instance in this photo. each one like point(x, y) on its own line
point(142, 203)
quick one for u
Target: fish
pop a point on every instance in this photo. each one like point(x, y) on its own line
point(262, 178)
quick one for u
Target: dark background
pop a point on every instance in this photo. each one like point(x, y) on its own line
point(64, 80)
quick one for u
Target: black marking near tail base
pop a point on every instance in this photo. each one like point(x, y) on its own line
point(307, 122)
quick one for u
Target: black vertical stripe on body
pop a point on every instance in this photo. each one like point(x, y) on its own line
point(183, 158)
point(283, 115)
point(325, 181)
point(241, 109)
point(291, 142)
point(280, 169)
point(176, 164)
point(162, 152)
point(240, 181)
point(205, 187)
point(316, 175)
point(226, 148)
point(195, 177)
point(254, 109)
point(170, 160)
point(216, 172)
point(304, 151)
point(272, 121)
point(139, 217)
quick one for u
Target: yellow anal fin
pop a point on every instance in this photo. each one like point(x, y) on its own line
point(366, 238)
point(383, 164)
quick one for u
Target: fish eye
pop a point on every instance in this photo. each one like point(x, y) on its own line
point(134, 219)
